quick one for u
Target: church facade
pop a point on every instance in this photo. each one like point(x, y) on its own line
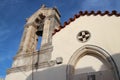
point(86, 47)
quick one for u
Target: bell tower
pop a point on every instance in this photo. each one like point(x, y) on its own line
point(41, 24)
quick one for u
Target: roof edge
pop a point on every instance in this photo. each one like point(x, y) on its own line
point(81, 13)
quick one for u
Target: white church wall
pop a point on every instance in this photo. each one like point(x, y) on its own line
point(104, 32)
point(51, 73)
point(18, 75)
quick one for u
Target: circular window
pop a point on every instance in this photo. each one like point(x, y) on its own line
point(83, 36)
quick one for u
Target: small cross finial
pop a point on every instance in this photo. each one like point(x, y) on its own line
point(43, 6)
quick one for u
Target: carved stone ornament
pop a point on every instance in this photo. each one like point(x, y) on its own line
point(83, 36)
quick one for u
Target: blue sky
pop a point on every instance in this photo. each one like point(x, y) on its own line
point(14, 12)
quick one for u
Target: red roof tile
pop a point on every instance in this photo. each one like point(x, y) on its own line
point(81, 13)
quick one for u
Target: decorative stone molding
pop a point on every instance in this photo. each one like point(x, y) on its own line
point(42, 51)
point(18, 56)
point(93, 51)
point(31, 24)
point(83, 36)
point(46, 46)
point(54, 16)
point(45, 53)
point(30, 67)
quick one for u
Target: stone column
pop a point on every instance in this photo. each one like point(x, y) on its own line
point(27, 39)
point(47, 33)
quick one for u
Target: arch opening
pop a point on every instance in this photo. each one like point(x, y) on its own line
point(96, 52)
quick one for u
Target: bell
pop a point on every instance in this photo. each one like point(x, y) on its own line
point(39, 31)
point(42, 16)
point(40, 24)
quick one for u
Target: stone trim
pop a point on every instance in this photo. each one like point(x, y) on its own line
point(46, 46)
point(57, 11)
point(24, 54)
point(30, 67)
point(97, 52)
point(42, 51)
point(51, 16)
point(31, 24)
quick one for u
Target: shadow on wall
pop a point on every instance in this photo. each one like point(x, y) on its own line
point(53, 73)
point(58, 72)
point(116, 59)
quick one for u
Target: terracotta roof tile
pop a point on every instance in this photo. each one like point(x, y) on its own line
point(81, 13)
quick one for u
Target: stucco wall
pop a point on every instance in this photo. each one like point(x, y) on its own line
point(104, 30)
point(48, 73)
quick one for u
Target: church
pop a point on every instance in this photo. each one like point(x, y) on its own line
point(86, 47)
